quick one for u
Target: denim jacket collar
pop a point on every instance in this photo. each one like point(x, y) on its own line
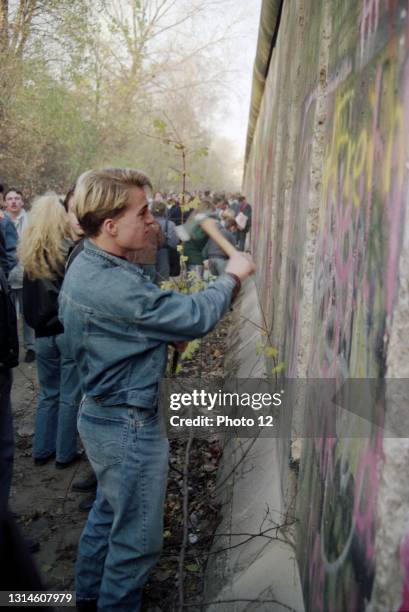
point(95, 250)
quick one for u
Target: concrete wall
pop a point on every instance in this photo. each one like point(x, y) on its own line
point(257, 572)
point(327, 174)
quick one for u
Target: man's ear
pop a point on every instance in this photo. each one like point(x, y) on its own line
point(110, 227)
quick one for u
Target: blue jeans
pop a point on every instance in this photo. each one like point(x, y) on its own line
point(58, 400)
point(123, 536)
point(6, 437)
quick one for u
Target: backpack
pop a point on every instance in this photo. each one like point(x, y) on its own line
point(173, 256)
point(8, 327)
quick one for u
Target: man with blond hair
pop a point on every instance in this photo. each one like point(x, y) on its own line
point(119, 325)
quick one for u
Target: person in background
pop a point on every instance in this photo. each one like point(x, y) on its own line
point(4, 264)
point(10, 239)
point(227, 214)
point(233, 202)
point(220, 205)
point(15, 210)
point(146, 258)
point(43, 252)
point(14, 548)
point(76, 231)
point(193, 248)
point(171, 241)
point(8, 361)
point(243, 220)
point(175, 213)
point(214, 254)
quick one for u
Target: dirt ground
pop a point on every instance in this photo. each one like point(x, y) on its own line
point(47, 508)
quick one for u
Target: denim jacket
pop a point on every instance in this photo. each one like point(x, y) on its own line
point(118, 324)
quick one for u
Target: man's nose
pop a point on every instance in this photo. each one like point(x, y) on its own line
point(149, 219)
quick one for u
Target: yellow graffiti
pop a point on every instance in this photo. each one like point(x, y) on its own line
point(351, 155)
point(360, 160)
point(340, 138)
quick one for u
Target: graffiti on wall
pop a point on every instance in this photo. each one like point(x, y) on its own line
point(358, 243)
point(361, 222)
point(355, 286)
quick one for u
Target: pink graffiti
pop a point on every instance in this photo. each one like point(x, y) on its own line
point(369, 21)
point(348, 271)
point(324, 448)
point(317, 577)
point(365, 496)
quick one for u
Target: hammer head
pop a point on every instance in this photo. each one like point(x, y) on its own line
point(195, 219)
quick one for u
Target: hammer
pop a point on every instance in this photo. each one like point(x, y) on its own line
point(208, 225)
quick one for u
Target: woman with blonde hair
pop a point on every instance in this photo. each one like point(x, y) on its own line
point(43, 251)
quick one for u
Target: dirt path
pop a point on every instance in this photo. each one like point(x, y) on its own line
point(48, 510)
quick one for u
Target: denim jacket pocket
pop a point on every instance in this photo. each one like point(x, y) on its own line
point(146, 416)
point(104, 438)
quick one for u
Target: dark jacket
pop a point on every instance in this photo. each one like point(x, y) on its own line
point(75, 250)
point(40, 305)
point(4, 264)
point(40, 300)
point(193, 248)
point(175, 214)
point(10, 242)
point(8, 327)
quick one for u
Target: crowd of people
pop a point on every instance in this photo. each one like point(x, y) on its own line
point(233, 214)
point(83, 272)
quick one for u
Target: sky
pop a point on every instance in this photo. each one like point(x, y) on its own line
point(233, 119)
point(225, 32)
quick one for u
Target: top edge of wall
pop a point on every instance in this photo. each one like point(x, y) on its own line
point(268, 30)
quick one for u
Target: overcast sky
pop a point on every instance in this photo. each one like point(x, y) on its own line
point(233, 120)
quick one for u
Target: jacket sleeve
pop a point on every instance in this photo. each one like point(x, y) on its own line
point(169, 316)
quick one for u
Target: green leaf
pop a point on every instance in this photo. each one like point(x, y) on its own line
point(193, 567)
point(190, 349)
point(271, 351)
point(279, 368)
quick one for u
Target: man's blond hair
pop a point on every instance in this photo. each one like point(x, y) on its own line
point(104, 194)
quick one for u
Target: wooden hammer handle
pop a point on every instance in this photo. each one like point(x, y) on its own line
point(209, 225)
